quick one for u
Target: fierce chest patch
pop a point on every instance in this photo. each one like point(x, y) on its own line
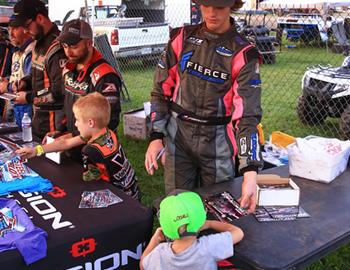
point(201, 71)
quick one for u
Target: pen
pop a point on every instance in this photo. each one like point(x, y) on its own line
point(161, 152)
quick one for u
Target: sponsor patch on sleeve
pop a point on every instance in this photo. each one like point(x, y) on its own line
point(109, 88)
point(255, 83)
point(243, 145)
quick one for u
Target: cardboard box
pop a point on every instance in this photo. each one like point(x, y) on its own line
point(317, 158)
point(283, 196)
point(135, 124)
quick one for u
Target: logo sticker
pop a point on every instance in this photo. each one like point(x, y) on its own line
point(8, 222)
point(161, 64)
point(42, 91)
point(62, 62)
point(83, 247)
point(96, 75)
point(200, 71)
point(57, 192)
point(243, 145)
point(195, 41)
point(255, 147)
point(15, 66)
point(110, 88)
point(224, 51)
point(255, 83)
point(257, 68)
point(184, 59)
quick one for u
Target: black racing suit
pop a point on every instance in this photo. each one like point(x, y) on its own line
point(46, 83)
point(206, 105)
point(104, 159)
point(96, 76)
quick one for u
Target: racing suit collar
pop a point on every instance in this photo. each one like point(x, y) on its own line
point(210, 35)
point(96, 55)
point(53, 31)
point(99, 136)
point(25, 45)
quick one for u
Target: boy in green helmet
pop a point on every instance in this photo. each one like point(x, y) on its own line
point(181, 217)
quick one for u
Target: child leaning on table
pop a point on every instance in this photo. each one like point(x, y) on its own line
point(181, 217)
point(104, 158)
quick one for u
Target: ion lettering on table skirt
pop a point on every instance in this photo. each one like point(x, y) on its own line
point(113, 260)
point(45, 209)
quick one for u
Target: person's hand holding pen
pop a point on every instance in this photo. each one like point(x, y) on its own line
point(154, 152)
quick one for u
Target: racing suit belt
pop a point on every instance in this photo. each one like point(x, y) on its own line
point(187, 116)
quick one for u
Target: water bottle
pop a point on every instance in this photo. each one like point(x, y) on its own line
point(26, 128)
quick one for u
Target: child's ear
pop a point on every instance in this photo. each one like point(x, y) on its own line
point(91, 123)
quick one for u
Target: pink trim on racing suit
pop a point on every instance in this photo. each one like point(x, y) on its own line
point(232, 98)
point(173, 79)
point(177, 45)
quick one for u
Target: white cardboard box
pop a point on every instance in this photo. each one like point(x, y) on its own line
point(317, 158)
point(273, 197)
point(135, 124)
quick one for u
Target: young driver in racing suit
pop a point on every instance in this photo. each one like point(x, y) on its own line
point(206, 105)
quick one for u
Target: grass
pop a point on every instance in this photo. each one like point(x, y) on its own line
point(281, 88)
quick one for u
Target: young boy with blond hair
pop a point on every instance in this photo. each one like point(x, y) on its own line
point(103, 157)
point(181, 217)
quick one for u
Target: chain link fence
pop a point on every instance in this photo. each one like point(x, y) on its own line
point(305, 77)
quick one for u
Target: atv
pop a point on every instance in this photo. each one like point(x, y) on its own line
point(326, 92)
point(258, 35)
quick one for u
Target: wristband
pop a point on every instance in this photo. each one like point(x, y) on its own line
point(39, 150)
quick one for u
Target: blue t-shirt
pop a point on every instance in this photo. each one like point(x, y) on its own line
point(18, 231)
point(16, 176)
point(203, 254)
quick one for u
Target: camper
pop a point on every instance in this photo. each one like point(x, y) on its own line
point(137, 28)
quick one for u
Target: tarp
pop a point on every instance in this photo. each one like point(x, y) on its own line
point(322, 5)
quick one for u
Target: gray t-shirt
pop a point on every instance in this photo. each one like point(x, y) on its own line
point(201, 255)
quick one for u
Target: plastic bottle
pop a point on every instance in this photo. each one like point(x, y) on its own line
point(26, 128)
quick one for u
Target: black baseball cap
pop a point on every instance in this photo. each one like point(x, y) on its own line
point(74, 31)
point(216, 3)
point(25, 10)
point(14, 21)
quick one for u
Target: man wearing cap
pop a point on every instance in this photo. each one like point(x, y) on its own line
point(206, 105)
point(86, 71)
point(21, 66)
point(47, 64)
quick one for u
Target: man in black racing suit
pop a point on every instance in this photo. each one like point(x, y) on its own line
point(48, 60)
point(86, 71)
point(206, 105)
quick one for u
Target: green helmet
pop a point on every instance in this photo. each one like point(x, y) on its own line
point(182, 209)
